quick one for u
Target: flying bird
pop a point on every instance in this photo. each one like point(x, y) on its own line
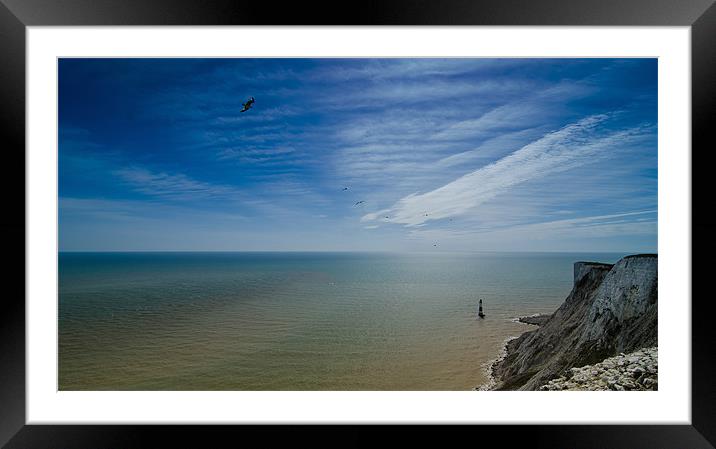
point(358, 202)
point(249, 103)
point(345, 188)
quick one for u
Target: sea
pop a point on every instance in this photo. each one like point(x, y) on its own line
point(297, 321)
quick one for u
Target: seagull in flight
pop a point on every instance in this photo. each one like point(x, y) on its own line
point(358, 202)
point(249, 103)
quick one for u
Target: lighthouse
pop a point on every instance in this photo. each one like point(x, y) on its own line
point(479, 311)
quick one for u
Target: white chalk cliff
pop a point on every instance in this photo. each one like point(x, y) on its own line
point(611, 309)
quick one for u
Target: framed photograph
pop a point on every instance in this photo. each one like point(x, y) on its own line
point(249, 218)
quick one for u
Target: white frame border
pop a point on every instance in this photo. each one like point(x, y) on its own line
point(670, 405)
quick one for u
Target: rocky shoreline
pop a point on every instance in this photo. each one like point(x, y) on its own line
point(491, 383)
point(534, 320)
point(611, 311)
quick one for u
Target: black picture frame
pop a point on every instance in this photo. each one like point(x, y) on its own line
point(16, 15)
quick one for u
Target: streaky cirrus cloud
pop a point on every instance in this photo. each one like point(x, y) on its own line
point(433, 146)
point(574, 145)
point(596, 233)
point(172, 186)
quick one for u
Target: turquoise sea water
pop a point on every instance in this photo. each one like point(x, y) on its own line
point(296, 321)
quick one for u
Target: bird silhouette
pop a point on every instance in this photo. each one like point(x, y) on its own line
point(359, 202)
point(249, 103)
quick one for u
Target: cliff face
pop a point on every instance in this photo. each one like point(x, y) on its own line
point(611, 309)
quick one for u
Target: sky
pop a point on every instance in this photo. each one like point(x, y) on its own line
point(358, 155)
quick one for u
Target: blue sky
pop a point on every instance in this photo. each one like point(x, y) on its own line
point(447, 154)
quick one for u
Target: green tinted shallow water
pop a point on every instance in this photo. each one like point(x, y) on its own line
point(296, 321)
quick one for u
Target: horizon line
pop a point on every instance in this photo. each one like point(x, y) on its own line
point(357, 251)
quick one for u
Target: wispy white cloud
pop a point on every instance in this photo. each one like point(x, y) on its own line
point(599, 226)
point(391, 68)
point(136, 211)
point(233, 153)
point(412, 147)
point(173, 186)
point(496, 146)
point(529, 111)
point(261, 115)
point(572, 146)
point(376, 215)
point(275, 156)
point(406, 93)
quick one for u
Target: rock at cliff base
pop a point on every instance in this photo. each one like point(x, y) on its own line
point(635, 371)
